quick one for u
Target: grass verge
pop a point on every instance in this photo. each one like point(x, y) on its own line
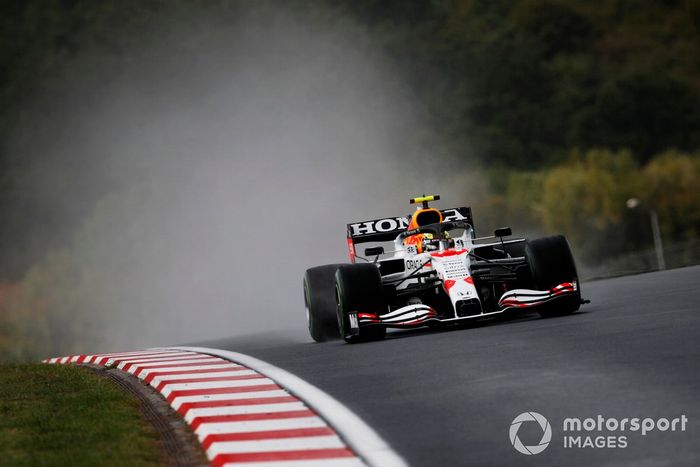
point(66, 415)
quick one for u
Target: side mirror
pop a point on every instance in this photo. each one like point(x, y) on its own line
point(374, 251)
point(502, 232)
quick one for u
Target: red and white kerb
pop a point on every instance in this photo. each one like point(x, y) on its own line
point(241, 417)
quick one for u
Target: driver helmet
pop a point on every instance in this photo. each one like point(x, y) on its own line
point(422, 216)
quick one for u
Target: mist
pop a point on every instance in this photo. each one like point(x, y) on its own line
point(216, 173)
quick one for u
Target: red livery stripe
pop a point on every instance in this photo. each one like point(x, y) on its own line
point(447, 253)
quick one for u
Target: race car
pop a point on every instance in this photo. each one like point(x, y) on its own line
point(430, 269)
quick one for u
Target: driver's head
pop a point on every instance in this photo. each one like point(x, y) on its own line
point(424, 217)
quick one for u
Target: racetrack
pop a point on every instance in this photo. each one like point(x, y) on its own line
point(448, 398)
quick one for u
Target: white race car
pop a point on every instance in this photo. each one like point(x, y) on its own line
point(429, 269)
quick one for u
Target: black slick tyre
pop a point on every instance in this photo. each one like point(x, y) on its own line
point(551, 263)
point(358, 287)
point(319, 300)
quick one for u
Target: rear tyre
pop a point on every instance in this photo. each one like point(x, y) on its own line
point(551, 263)
point(359, 288)
point(319, 299)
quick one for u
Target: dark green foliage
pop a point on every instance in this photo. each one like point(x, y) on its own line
point(525, 81)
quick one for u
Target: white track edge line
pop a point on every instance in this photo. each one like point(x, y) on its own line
point(359, 436)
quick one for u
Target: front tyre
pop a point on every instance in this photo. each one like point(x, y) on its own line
point(551, 263)
point(358, 288)
point(319, 300)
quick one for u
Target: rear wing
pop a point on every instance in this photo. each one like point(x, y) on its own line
point(384, 230)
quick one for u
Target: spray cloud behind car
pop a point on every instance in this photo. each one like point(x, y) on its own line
point(217, 165)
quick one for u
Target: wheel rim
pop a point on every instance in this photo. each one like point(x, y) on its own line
point(339, 312)
point(306, 307)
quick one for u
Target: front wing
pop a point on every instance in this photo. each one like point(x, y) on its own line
point(420, 315)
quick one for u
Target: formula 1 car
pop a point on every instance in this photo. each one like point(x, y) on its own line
point(436, 272)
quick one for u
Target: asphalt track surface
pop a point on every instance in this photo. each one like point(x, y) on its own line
point(447, 398)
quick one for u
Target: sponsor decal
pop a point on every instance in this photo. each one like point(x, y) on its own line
point(454, 267)
point(417, 263)
point(453, 215)
point(379, 226)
